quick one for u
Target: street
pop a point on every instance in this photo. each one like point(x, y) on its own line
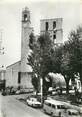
point(11, 107)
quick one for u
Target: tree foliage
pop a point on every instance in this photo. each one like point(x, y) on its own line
point(75, 40)
point(65, 59)
point(40, 58)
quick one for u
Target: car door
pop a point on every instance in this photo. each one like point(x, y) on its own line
point(49, 108)
point(53, 110)
point(31, 102)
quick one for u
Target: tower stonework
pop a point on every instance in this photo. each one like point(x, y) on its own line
point(26, 31)
point(54, 28)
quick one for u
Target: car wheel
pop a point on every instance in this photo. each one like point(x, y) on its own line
point(32, 105)
point(44, 111)
point(60, 114)
point(51, 114)
point(28, 104)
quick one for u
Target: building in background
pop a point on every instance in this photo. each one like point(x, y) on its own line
point(54, 28)
point(2, 67)
point(2, 77)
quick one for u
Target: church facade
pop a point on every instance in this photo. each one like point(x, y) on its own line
point(19, 73)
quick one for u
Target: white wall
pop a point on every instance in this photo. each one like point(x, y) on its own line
point(26, 80)
point(12, 74)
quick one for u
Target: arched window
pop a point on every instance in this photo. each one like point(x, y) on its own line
point(25, 17)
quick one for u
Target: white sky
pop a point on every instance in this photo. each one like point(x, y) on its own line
point(10, 21)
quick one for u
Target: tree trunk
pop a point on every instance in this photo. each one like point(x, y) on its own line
point(81, 80)
point(67, 84)
point(67, 87)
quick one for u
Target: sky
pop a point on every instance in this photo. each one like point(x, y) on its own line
point(10, 21)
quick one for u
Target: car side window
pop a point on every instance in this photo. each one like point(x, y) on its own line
point(53, 106)
point(63, 107)
point(58, 106)
point(49, 104)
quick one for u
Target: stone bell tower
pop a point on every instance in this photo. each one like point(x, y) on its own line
point(26, 31)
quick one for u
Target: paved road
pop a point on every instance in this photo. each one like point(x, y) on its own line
point(11, 107)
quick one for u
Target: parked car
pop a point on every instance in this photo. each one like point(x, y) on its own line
point(54, 108)
point(18, 92)
point(52, 91)
point(71, 113)
point(60, 90)
point(24, 90)
point(58, 109)
point(31, 101)
point(73, 106)
point(13, 91)
point(6, 91)
point(80, 109)
point(3, 92)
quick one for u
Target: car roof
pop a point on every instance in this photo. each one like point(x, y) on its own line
point(55, 102)
point(72, 110)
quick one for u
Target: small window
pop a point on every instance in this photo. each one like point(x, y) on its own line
point(54, 36)
point(58, 106)
point(54, 24)
point(19, 77)
point(46, 103)
point(46, 26)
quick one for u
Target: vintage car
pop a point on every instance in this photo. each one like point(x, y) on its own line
point(71, 113)
point(31, 101)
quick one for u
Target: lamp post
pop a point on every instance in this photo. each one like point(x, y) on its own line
point(41, 82)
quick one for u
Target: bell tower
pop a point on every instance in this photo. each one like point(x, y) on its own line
point(26, 17)
point(26, 31)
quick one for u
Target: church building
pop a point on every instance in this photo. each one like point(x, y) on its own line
point(19, 73)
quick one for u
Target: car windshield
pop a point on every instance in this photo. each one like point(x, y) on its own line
point(59, 106)
point(63, 107)
point(75, 113)
point(33, 99)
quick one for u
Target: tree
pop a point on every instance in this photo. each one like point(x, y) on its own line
point(40, 58)
point(69, 59)
point(35, 82)
point(62, 64)
point(66, 67)
point(72, 57)
point(75, 40)
point(33, 60)
point(56, 59)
